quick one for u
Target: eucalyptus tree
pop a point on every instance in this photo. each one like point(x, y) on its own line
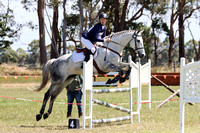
point(185, 9)
point(9, 29)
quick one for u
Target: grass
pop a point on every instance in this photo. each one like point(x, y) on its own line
point(19, 115)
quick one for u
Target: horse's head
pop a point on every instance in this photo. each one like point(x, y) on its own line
point(120, 39)
point(136, 43)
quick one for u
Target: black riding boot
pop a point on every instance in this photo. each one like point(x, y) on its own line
point(87, 57)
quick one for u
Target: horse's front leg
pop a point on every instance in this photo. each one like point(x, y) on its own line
point(113, 68)
point(126, 67)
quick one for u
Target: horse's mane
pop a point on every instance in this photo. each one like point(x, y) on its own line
point(120, 32)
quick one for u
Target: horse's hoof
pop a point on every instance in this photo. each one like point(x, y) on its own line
point(38, 117)
point(109, 81)
point(46, 115)
point(122, 80)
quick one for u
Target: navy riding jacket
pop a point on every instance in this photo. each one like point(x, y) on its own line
point(95, 34)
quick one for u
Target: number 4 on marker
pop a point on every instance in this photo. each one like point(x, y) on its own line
point(72, 124)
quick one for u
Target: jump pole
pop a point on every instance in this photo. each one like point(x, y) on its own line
point(87, 85)
point(175, 93)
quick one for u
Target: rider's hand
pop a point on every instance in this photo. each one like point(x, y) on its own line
point(107, 40)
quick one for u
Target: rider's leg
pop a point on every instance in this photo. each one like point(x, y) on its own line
point(86, 43)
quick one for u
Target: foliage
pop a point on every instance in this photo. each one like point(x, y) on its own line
point(33, 53)
point(159, 24)
point(8, 27)
point(21, 55)
point(8, 55)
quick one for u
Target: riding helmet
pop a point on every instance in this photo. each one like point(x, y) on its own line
point(103, 15)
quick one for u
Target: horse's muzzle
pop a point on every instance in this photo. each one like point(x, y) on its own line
point(141, 55)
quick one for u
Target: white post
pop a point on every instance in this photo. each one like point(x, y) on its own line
point(182, 104)
point(87, 85)
point(138, 93)
point(139, 82)
point(130, 94)
point(84, 95)
point(149, 77)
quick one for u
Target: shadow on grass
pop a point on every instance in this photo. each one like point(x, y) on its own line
point(46, 127)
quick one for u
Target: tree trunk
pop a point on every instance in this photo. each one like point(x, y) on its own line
point(81, 17)
point(43, 54)
point(155, 52)
point(181, 31)
point(55, 33)
point(123, 16)
point(193, 41)
point(171, 43)
point(64, 27)
point(117, 10)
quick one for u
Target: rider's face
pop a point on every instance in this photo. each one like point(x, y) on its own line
point(103, 21)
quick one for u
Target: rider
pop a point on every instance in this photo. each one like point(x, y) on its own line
point(95, 34)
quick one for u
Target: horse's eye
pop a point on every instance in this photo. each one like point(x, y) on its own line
point(138, 40)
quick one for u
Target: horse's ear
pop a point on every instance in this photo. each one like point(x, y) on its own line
point(140, 32)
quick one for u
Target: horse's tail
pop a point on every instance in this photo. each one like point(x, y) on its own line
point(45, 74)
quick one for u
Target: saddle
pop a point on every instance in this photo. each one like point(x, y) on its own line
point(84, 50)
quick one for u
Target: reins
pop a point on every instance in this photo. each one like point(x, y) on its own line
point(134, 36)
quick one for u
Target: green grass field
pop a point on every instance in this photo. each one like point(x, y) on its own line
point(19, 115)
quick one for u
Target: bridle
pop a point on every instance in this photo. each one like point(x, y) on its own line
point(134, 36)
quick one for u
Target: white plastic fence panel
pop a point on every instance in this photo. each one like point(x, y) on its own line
point(146, 72)
point(190, 84)
point(134, 75)
point(189, 87)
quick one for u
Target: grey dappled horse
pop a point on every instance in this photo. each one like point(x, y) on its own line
point(62, 70)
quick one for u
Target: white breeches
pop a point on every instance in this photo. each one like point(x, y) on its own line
point(86, 43)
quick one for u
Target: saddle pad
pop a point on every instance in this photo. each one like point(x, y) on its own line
point(79, 57)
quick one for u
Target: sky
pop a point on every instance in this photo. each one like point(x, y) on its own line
point(28, 35)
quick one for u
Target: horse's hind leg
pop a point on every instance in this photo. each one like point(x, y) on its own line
point(55, 92)
point(46, 98)
point(54, 95)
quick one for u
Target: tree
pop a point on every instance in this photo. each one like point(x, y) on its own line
point(173, 18)
point(8, 55)
point(56, 40)
point(185, 10)
point(157, 26)
point(191, 49)
point(64, 27)
point(72, 28)
point(80, 4)
point(33, 53)
point(121, 11)
point(21, 56)
point(9, 29)
point(43, 54)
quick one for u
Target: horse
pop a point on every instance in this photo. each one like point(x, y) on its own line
point(63, 69)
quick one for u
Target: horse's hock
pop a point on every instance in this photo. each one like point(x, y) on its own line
point(135, 81)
